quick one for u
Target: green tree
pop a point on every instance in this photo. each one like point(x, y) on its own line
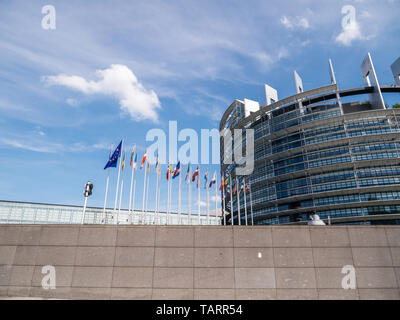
point(396, 105)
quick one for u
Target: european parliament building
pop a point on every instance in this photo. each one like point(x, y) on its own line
point(325, 151)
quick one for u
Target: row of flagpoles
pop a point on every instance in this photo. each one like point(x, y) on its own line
point(226, 184)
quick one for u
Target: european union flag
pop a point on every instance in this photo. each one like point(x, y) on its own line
point(112, 162)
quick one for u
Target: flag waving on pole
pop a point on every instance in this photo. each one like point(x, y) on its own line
point(247, 187)
point(177, 170)
point(195, 174)
point(134, 162)
point(228, 180)
point(222, 184)
point(112, 161)
point(132, 155)
point(206, 179)
point(123, 162)
point(214, 179)
point(168, 171)
point(187, 172)
point(143, 160)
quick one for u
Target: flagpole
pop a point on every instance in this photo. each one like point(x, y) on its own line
point(198, 193)
point(119, 171)
point(130, 192)
point(208, 202)
point(134, 192)
point(155, 206)
point(144, 190)
point(251, 208)
point(156, 203)
point(238, 200)
point(147, 188)
point(170, 196)
point(169, 178)
point(190, 196)
point(120, 195)
point(179, 196)
point(245, 204)
point(103, 219)
point(158, 199)
point(216, 200)
point(223, 199)
point(231, 196)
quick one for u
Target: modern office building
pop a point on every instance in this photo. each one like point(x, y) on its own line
point(326, 151)
point(12, 212)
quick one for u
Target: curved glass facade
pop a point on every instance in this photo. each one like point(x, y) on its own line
point(337, 161)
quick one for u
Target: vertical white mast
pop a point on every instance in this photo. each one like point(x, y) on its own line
point(208, 198)
point(130, 192)
point(251, 207)
point(245, 205)
point(134, 192)
point(189, 197)
point(103, 219)
point(169, 178)
point(231, 196)
point(144, 189)
point(122, 186)
point(179, 195)
point(147, 187)
point(216, 196)
point(238, 199)
point(155, 207)
point(158, 199)
point(198, 193)
point(223, 198)
point(119, 171)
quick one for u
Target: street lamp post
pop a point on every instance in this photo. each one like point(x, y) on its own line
point(86, 193)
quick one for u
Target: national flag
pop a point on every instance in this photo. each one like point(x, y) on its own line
point(177, 170)
point(169, 171)
point(234, 189)
point(214, 179)
point(187, 172)
point(157, 161)
point(195, 174)
point(112, 161)
point(206, 179)
point(228, 180)
point(134, 162)
point(148, 167)
point(158, 171)
point(221, 187)
point(143, 159)
point(132, 155)
point(198, 180)
point(123, 161)
point(247, 187)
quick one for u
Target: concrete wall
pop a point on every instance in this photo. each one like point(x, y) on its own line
point(213, 262)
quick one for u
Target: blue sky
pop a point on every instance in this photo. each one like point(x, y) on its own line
point(114, 69)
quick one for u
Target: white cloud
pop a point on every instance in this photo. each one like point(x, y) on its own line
point(29, 145)
point(32, 143)
point(291, 23)
point(117, 81)
point(72, 102)
point(303, 22)
point(350, 32)
point(286, 22)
